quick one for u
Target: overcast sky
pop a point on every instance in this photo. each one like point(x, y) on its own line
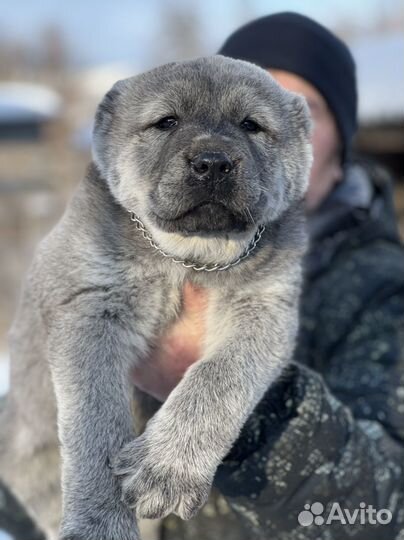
point(98, 31)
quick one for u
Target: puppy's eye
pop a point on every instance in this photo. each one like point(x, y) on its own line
point(250, 125)
point(167, 122)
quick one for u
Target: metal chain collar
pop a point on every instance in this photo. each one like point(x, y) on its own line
point(187, 264)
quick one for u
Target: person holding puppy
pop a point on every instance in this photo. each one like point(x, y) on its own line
point(332, 429)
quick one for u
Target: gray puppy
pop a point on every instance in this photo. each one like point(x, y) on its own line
point(211, 157)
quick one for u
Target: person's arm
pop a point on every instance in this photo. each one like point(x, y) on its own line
point(310, 449)
point(302, 445)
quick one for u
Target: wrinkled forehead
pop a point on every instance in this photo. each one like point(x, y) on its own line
point(192, 90)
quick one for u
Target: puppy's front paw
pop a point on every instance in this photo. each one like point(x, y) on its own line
point(157, 482)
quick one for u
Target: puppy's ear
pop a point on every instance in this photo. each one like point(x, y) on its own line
point(104, 119)
point(300, 113)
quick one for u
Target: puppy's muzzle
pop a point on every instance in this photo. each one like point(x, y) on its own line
point(211, 166)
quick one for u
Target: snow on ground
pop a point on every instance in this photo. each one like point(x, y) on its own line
point(4, 378)
point(3, 390)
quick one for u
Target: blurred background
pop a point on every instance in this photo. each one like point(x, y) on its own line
point(57, 60)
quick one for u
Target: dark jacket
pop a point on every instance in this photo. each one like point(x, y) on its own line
point(331, 430)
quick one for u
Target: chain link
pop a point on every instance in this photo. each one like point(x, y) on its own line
point(187, 264)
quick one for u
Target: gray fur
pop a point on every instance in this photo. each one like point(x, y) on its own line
point(97, 297)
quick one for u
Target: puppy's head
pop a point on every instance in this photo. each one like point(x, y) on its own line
point(211, 147)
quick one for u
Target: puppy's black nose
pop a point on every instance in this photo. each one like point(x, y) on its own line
point(212, 165)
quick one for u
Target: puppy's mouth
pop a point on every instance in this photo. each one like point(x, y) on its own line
point(206, 218)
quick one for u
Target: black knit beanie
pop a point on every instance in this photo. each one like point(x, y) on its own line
point(295, 43)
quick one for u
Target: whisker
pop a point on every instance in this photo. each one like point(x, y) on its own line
point(266, 190)
point(252, 219)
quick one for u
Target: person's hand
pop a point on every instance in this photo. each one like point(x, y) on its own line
point(177, 349)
